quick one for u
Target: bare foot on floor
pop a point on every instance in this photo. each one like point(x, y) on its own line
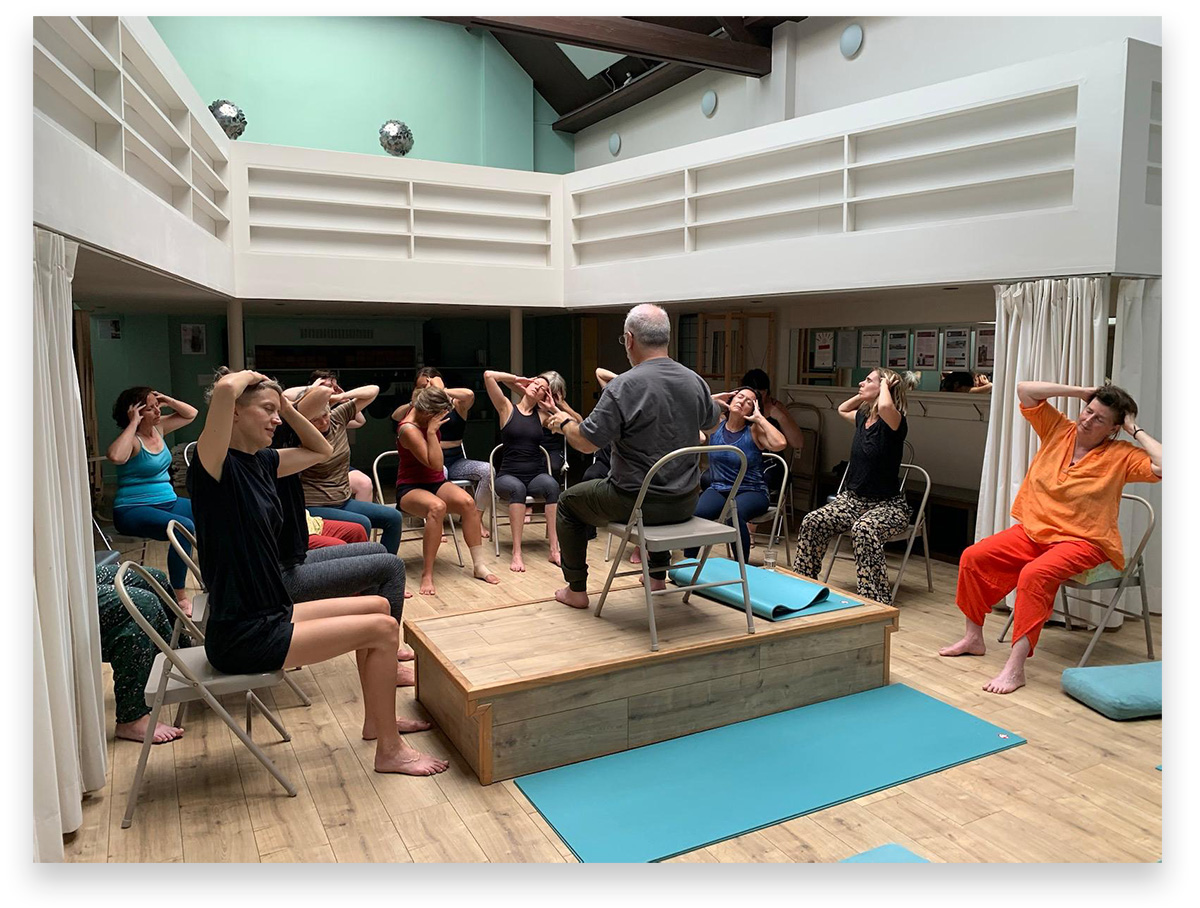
point(1006, 682)
point(485, 533)
point(404, 726)
point(186, 604)
point(655, 584)
point(573, 598)
point(636, 557)
point(516, 564)
point(427, 587)
point(136, 731)
point(410, 762)
point(405, 676)
point(405, 654)
point(556, 558)
point(964, 647)
point(408, 594)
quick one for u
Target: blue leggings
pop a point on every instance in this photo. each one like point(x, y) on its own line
point(749, 506)
point(149, 521)
point(381, 516)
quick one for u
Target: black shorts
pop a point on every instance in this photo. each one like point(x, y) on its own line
point(431, 487)
point(249, 646)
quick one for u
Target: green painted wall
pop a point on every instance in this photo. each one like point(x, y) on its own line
point(553, 152)
point(329, 82)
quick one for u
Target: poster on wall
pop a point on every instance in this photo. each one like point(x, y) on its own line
point(194, 338)
point(926, 349)
point(870, 349)
point(847, 348)
point(985, 349)
point(112, 329)
point(823, 357)
point(957, 348)
point(897, 349)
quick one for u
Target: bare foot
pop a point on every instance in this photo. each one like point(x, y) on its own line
point(964, 647)
point(136, 731)
point(410, 762)
point(517, 564)
point(636, 557)
point(556, 558)
point(528, 518)
point(485, 533)
point(404, 726)
point(427, 587)
point(405, 676)
point(405, 654)
point(1006, 682)
point(568, 596)
point(408, 594)
point(186, 604)
point(655, 583)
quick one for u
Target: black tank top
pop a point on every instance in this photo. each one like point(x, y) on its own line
point(454, 427)
point(522, 437)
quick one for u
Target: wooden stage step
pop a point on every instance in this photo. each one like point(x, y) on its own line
point(529, 686)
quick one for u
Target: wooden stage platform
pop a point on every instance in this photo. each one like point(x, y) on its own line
point(530, 686)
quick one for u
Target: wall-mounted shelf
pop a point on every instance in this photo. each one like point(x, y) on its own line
point(207, 206)
point(964, 184)
point(632, 209)
point(81, 40)
point(767, 184)
point(66, 83)
point(761, 215)
point(137, 100)
point(326, 229)
point(334, 203)
point(152, 158)
point(479, 239)
point(933, 154)
point(203, 174)
point(543, 219)
point(636, 235)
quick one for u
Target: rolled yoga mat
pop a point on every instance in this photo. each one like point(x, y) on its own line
point(664, 799)
point(773, 596)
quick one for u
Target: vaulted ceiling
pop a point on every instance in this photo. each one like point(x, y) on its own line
point(644, 55)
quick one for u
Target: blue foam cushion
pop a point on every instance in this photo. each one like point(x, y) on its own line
point(890, 853)
point(773, 596)
point(1118, 691)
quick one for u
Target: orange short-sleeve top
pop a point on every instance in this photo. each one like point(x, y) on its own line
point(1060, 501)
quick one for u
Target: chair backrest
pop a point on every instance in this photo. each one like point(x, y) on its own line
point(783, 489)
point(175, 530)
point(375, 472)
point(906, 470)
point(492, 461)
point(182, 622)
point(103, 538)
point(696, 450)
point(1151, 520)
point(187, 452)
point(905, 459)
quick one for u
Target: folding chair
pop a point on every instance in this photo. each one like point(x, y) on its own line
point(379, 500)
point(175, 530)
point(184, 675)
point(915, 528)
point(187, 452)
point(777, 513)
point(114, 542)
point(529, 499)
point(1106, 577)
point(694, 532)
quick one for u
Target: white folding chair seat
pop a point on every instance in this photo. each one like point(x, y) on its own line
point(1107, 577)
point(404, 522)
point(696, 532)
point(530, 500)
point(189, 677)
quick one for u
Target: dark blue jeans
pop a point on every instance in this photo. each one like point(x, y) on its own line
point(381, 516)
point(749, 506)
point(149, 521)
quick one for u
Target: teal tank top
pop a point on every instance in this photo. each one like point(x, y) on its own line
point(144, 479)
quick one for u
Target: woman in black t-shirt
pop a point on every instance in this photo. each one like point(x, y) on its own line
point(870, 506)
point(253, 625)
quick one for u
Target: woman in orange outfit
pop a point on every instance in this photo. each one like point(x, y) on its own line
point(1066, 513)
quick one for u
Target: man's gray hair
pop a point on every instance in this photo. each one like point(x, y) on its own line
point(649, 324)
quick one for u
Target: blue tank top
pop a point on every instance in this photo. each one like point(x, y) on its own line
point(144, 479)
point(725, 466)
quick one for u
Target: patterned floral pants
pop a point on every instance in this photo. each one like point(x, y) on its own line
point(871, 522)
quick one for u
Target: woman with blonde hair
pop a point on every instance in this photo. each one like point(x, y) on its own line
point(870, 506)
point(423, 490)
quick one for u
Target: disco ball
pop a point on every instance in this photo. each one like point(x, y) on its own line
point(231, 118)
point(396, 138)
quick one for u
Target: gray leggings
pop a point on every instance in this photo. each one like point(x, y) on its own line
point(357, 569)
point(478, 472)
point(514, 491)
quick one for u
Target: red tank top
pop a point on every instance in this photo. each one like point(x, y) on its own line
point(410, 470)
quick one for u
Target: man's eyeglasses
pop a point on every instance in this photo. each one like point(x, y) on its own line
point(621, 339)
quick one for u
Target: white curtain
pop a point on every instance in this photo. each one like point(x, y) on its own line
point(68, 697)
point(1137, 367)
point(1047, 330)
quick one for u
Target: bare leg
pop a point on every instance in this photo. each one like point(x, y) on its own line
point(552, 527)
point(460, 503)
point(516, 523)
point(361, 487)
point(424, 504)
point(970, 645)
point(1012, 676)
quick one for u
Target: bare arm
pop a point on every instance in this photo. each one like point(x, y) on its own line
point(183, 413)
point(492, 381)
point(314, 448)
point(313, 403)
point(887, 407)
point(1153, 446)
point(765, 435)
point(126, 444)
point(604, 376)
point(787, 425)
point(358, 421)
point(1032, 393)
point(565, 424)
point(424, 445)
point(848, 408)
point(362, 396)
point(213, 444)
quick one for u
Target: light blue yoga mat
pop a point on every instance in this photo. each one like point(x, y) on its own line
point(890, 853)
point(772, 596)
point(664, 799)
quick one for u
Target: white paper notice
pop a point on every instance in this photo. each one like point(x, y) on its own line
point(926, 354)
point(897, 349)
point(823, 359)
point(985, 348)
point(870, 350)
point(955, 353)
point(847, 348)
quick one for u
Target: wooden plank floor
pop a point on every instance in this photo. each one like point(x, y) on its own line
point(1083, 789)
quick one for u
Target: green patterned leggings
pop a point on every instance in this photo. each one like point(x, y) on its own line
point(122, 644)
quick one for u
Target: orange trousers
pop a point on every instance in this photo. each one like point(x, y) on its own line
point(993, 567)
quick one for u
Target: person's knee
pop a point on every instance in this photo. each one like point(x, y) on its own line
point(381, 605)
point(384, 629)
point(1038, 578)
point(437, 510)
point(865, 531)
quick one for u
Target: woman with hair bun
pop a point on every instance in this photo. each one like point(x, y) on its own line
point(871, 506)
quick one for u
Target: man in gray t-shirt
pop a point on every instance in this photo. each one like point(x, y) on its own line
point(656, 407)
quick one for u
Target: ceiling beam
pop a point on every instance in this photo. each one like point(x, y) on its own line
point(736, 29)
point(658, 79)
point(638, 39)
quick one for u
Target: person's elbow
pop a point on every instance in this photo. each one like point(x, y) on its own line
point(777, 446)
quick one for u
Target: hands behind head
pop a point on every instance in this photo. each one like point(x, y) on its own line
point(438, 421)
point(242, 380)
point(135, 414)
point(1129, 425)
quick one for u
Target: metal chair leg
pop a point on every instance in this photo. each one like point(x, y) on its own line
point(646, 588)
point(147, 743)
point(268, 714)
point(1011, 615)
point(903, 563)
point(299, 693)
point(837, 546)
point(741, 560)
point(687, 594)
point(1112, 606)
point(249, 742)
point(454, 536)
point(1145, 612)
point(608, 548)
point(925, 549)
point(612, 572)
point(1066, 607)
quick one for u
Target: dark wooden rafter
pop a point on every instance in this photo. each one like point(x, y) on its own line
point(735, 27)
point(657, 80)
point(648, 40)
